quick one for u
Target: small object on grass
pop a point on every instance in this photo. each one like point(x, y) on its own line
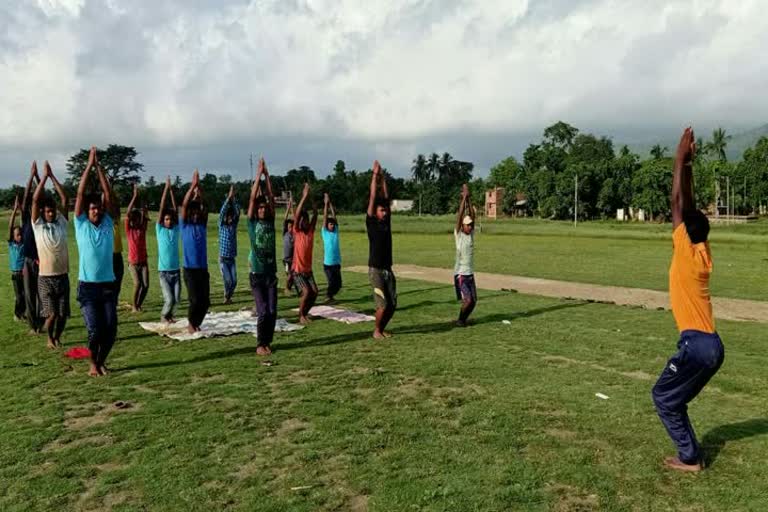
point(267, 362)
point(78, 353)
point(121, 405)
point(506, 322)
point(302, 487)
point(601, 396)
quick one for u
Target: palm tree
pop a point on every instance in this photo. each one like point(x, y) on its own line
point(658, 152)
point(433, 164)
point(420, 173)
point(719, 143)
point(445, 165)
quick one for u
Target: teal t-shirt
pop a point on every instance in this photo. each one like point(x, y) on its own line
point(331, 251)
point(94, 243)
point(262, 237)
point(16, 256)
point(167, 247)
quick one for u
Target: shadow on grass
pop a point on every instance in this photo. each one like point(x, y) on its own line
point(714, 440)
point(434, 327)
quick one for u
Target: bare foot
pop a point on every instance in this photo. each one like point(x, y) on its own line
point(303, 320)
point(387, 334)
point(94, 371)
point(134, 309)
point(191, 330)
point(51, 344)
point(262, 351)
point(103, 370)
point(227, 302)
point(329, 301)
point(377, 335)
point(172, 320)
point(676, 464)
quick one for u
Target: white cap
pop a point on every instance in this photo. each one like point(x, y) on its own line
point(467, 220)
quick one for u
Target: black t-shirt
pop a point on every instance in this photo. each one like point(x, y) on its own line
point(28, 236)
point(379, 242)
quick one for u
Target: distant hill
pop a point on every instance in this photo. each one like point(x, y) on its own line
point(735, 151)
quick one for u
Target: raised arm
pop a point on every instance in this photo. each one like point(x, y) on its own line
point(132, 204)
point(682, 179)
point(38, 195)
point(30, 183)
point(326, 205)
point(373, 187)
point(188, 196)
point(290, 207)
point(110, 202)
point(384, 191)
point(162, 200)
point(226, 204)
point(462, 207)
point(84, 182)
point(12, 222)
point(64, 210)
point(203, 207)
point(270, 194)
point(300, 206)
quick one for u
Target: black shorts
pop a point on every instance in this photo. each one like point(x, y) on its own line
point(54, 295)
point(384, 287)
point(465, 287)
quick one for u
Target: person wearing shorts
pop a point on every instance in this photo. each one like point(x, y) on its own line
point(464, 278)
point(50, 230)
point(304, 240)
point(379, 230)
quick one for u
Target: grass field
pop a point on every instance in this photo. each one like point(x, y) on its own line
point(494, 417)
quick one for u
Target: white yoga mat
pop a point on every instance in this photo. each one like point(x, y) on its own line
point(340, 315)
point(215, 324)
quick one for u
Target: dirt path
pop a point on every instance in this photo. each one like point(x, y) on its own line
point(726, 309)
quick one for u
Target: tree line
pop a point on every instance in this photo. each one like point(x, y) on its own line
point(564, 161)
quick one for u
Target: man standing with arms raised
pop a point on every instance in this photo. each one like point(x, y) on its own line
point(304, 241)
point(96, 291)
point(263, 259)
point(378, 226)
point(194, 240)
point(700, 350)
point(51, 239)
point(464, 277)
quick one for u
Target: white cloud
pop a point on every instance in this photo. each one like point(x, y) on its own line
point(175, 73)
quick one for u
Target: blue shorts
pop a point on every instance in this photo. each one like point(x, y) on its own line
point(465, 287)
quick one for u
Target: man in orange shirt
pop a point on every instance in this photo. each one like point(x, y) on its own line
point(700, 351)
point(304, 239)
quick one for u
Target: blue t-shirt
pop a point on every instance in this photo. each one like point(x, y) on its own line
point(94, 243)
point(16, 256)
point(167, 247)
point(331, 251)
point(195, 244)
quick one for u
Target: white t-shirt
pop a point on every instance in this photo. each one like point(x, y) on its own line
point(51, 240)
point(465, 245)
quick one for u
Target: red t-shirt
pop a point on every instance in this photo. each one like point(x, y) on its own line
point(137, 244)
point(302, 250)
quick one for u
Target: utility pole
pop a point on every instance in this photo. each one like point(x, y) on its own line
point(728, 199)
point(251, 161)
point(575, 199)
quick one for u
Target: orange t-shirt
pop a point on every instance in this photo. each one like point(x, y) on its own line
point(303, 244)
point(689, 283)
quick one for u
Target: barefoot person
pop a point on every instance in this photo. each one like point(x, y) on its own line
point(136, 223)
point(304, 241)
point(167, 234)
point(194, 240)
point(331, 251)
point(263, 259)
point(31, 263)
point(96, 291)
point(464, 278)
point(51, 238)
point(288, 245)
point(378, 226)
point(16, 262)
point(229, 217)
point(700, 351)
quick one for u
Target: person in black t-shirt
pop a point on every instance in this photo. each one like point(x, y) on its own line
point(377, 223)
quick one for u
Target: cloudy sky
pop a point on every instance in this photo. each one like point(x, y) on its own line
point(203, 83)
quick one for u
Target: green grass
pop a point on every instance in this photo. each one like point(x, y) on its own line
point(494, 417)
